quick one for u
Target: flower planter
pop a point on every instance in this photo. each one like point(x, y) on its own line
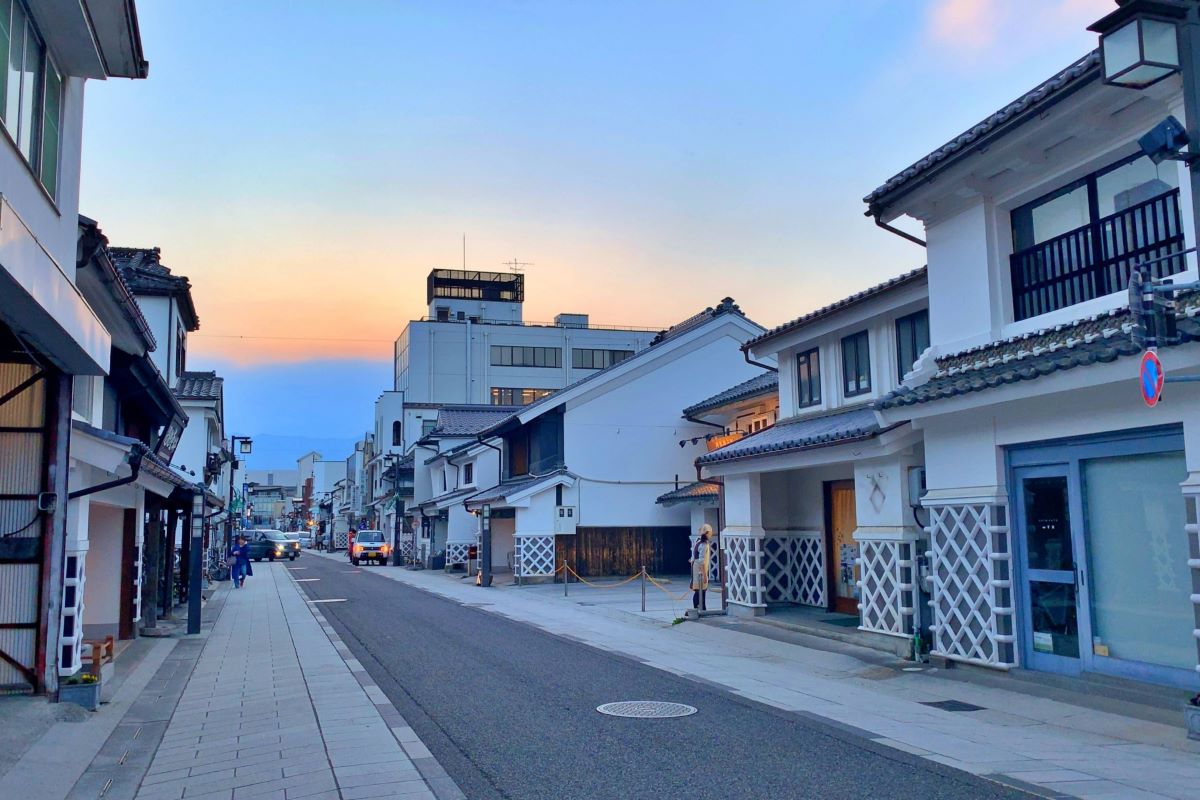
point(81, 694)
point(1191, 715)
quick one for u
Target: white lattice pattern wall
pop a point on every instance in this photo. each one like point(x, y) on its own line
point(794, 568)
point(972, 583)
point(71, 627)
point(887, 603)
point(457, 552)
point(744, 569)
point(534, 556)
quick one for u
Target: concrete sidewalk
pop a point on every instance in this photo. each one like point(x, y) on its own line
point(275, 708)
point(1059, 748)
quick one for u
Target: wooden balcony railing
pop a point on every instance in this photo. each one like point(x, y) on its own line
point(1096, 260)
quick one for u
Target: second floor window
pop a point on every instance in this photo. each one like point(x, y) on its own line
point(1080, 241)
point(397, 433)
point(912, 338)
point(30, 93)
point(468, 474)
point(514, 356)
point(808, 378)
point(856, 364)
point(597, 359)
point(427, 426)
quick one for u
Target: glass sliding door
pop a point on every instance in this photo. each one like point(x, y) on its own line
point(1051, 574)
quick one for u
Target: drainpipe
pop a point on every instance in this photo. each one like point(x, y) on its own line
point(753, 363)
point(136, 454)
point(890, 229)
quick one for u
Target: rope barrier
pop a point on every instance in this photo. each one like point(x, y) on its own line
point(681, 597)
point(598, 585)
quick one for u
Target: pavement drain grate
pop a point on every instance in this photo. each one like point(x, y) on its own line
point(646, 709)
point(953, 705)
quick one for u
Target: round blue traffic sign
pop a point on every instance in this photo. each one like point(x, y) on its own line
point(1150, 376)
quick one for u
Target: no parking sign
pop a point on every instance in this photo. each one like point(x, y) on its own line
point(1150, 378)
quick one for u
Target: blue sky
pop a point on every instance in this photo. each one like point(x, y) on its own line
point(306, 163)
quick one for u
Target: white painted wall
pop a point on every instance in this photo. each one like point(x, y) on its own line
point(624, 443)
point(102, 594)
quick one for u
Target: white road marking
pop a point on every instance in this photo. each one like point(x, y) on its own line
point(331, 600)
point(306, 580)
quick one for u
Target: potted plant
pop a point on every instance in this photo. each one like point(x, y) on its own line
point(1192, 716)
point(82, 690)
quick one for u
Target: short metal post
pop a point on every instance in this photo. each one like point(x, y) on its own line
point(643, 587)
point(566, 577)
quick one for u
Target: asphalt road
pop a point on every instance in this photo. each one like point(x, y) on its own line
point(509, 712)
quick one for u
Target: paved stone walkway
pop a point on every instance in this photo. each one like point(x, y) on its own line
point(1064, 750)
point(276, 708)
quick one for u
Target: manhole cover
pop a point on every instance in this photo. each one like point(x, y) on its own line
point(646, 709)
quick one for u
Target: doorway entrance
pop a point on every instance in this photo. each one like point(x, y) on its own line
point(841, 520)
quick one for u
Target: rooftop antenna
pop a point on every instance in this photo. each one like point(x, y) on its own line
point(517, 266)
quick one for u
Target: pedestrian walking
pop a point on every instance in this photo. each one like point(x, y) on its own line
point(239, 562)
point(701, 559)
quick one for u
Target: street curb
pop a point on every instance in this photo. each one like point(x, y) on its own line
point(435, 777)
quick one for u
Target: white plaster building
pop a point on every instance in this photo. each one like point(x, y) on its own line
point(816, 506)
point(580, 470)
point(736, 412)
point(450, 464)
point(1058, 503)
point(48, 331)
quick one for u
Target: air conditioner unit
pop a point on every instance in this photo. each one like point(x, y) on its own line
point(566, 518)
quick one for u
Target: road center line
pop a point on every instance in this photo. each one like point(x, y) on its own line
point(330, 600)
point(305, 580)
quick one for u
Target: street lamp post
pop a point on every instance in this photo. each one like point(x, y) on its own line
point(1145, 41)
point(243, 445)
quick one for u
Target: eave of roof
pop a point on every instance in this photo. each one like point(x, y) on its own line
point(801, 433)
point(1029, 105)
point(699, 492)
point(905, 279)
point(501, 492)
point(1099, 339)
point(763, 385)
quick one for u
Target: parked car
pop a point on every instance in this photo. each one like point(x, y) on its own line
point(270, 544)
point(369, 546)
point(306, 540)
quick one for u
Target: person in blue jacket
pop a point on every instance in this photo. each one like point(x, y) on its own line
point(239, 556)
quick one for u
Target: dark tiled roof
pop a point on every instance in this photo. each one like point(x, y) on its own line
point(1027, 105)
point(758, 386)
point(799, 433)
point(693, 492)
point(199, 386)
point(912, 276)
point(726, 306)
point(1099, 339)
point(146, 275)
point(95, 244)
point(446, 497)
point(464, 420)
point(155, 466)
point(502, 491)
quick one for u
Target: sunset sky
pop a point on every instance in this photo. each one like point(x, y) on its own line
point(307, 163)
